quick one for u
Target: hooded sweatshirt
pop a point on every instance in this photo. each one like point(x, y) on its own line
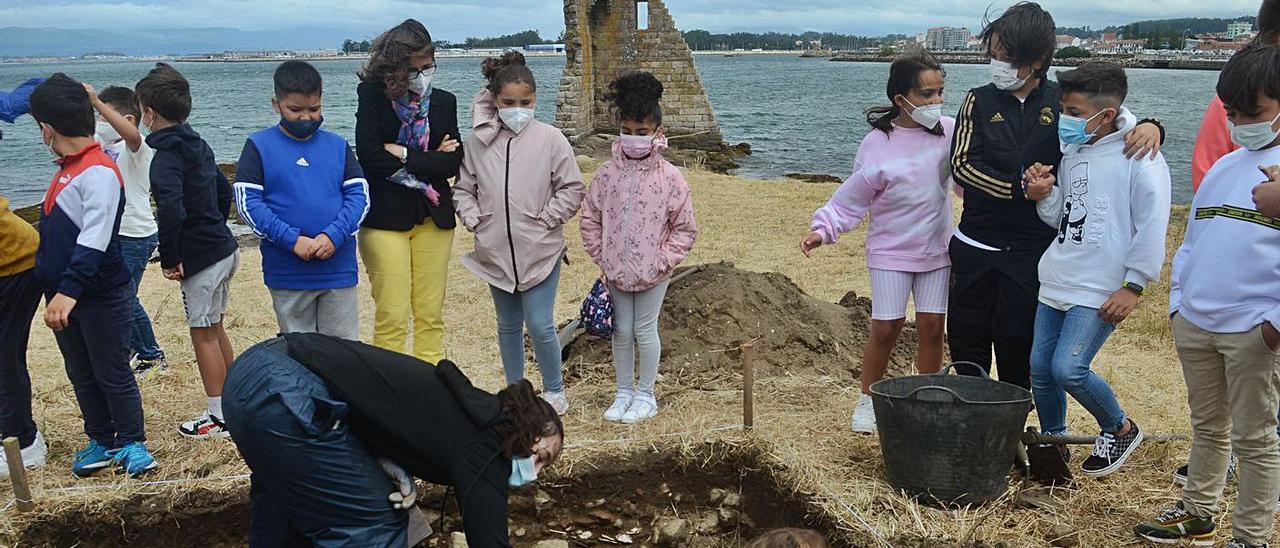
point(637, 221)
point(1111, 214)
point(18, 242)
point(903, 180)
point(1226, 275)
point(515, 192)
point(193, 199)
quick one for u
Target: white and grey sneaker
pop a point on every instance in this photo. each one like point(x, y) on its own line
point(1110, 451)
point(621, 401)
point(864, 415)
point(33, 456)
point(558, 400)
point(643, 407)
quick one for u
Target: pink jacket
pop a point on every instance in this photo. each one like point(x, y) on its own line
point(904, 181)
point(637, 220)
point(515, 192)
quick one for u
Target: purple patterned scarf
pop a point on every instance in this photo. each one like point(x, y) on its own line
point(415, 130)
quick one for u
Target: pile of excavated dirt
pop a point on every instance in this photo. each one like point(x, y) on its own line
point(709, 314)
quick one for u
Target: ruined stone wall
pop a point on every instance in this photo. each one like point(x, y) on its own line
point(602, 41)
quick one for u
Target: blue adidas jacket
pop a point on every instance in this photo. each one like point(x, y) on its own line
point(79, 254)
point(286, 188)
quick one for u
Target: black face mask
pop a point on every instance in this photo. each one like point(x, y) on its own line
point(302, 129)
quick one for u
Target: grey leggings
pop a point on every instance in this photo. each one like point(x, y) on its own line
point(635, 323)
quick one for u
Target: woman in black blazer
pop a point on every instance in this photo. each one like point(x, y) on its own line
point(408, 144)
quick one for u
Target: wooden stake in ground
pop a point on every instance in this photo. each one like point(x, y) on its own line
point(18, 475)
point(748, 385)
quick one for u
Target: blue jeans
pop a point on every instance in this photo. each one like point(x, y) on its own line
point(313, 483)
point(96, 355)
point(535, 308)
point(1065, 344)
point(136, 252)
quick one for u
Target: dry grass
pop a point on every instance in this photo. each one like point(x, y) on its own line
point(801, 422)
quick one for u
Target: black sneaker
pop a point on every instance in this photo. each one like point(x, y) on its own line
point(1110, 451)
point(1237, 543)
point(1180, 475)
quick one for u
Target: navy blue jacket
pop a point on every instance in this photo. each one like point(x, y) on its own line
point(193, 199)
point(79, 254)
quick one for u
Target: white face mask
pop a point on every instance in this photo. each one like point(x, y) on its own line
point(516, 118)
point(927, 115)
point(422, 82)
point(49, 144)
point(1005, 76)
point(1255, 136)
point(106, 133)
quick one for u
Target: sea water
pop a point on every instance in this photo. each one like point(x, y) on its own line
point(799, 115)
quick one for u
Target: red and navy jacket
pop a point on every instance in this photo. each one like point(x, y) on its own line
point(79, 253)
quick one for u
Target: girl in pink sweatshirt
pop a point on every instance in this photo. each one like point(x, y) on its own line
point(637, 224)
point(901, 177)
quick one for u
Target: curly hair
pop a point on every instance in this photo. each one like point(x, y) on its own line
point(529, 418)
point(389, 56)
point(508, 69)
point(635, 96)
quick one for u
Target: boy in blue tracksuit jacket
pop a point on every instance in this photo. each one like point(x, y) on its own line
point(79, 265)
point(304, 194)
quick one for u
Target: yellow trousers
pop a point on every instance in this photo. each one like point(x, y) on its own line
point(408, 271)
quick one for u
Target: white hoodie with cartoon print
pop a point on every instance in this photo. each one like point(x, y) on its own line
point(1111, 213)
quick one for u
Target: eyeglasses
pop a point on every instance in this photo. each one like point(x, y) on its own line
point(428, 71)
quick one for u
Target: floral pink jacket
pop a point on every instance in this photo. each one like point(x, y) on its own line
point(637, 220)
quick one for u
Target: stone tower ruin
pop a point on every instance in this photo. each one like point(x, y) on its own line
point(603, 40)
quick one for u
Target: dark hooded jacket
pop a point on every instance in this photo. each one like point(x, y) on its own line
point(193, 199)
point(428, 419)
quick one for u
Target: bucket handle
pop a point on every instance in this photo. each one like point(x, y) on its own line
point(954, 396)
point(981, 372)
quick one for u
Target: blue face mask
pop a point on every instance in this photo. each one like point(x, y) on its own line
point(1071, 130)
point(522, 472)
point(302, 129)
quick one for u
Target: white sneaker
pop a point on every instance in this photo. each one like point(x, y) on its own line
point(206, 426)
point(864, 416)
point(33, 456)
point(621, 401)
point(643, 407)
point(558, 401)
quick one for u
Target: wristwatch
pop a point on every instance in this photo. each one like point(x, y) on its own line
point(1133, 287)
point(404, 154)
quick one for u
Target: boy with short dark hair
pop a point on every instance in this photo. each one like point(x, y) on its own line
point(1111, 214)
point(193, 199)
point(79, 265)
point(1225, 306)
point(117, 130)
point(1003, 128)
point(302, 191)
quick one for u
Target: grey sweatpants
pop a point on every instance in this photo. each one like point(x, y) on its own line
point(635, 323)
point(333, 312)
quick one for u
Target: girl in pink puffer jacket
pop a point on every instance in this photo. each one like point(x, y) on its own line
point(637, 224)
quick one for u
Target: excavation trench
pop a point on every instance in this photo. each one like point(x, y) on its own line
point(716, 498)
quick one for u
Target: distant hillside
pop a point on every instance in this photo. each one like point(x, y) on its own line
point(1189, 25)
point(28, 42)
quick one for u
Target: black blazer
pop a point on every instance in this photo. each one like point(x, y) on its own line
point(391, 206)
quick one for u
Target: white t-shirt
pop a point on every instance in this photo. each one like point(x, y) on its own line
point(135, 167)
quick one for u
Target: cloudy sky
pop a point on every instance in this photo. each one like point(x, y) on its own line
point(455, 20)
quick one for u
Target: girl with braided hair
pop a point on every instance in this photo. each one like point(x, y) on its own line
point(324, 422)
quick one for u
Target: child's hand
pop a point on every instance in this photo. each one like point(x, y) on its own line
point(93, 94)
point(1266, 196)
point(1037, 182)
point(811, 242)
point(449, 144)
point(304, 248)
point(174, 273)
point(58, 314)
point(1270, 336)
point(1119, 306)
point(1143, 140)
point(323, 247)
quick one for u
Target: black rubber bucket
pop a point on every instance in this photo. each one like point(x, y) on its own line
point(949, 437)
